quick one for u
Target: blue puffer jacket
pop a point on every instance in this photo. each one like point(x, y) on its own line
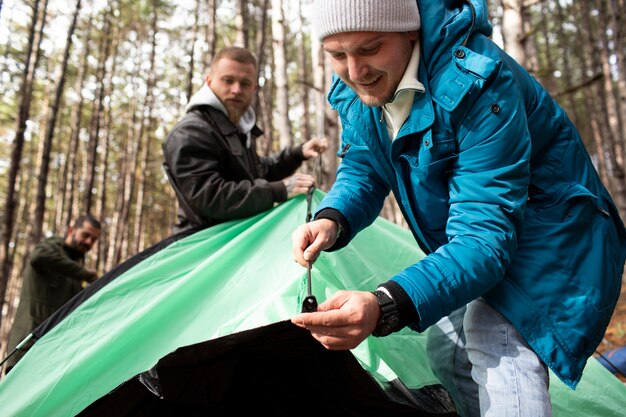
point(497, 188)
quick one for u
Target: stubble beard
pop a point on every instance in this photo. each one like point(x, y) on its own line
point(372, 101)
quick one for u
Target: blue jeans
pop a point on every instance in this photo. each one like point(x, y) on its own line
point(486, 365)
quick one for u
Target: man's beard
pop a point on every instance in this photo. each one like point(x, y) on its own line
point(236, 110)
point(375, 101)
point(234, 113)
point(81, 247)
point(367, 99)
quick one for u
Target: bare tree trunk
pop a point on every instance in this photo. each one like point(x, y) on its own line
point(266, 96)
point(304, 78)
point(618, 12)
point(94, 131)
point(211, 35)
point(567, 67)
point(133, 146)
point(547, 74)
point(32, 59)
point(326, 122)
point(280, 74)
point(47, 143)
point(263, 105)
point(266, 103)
point(68, 176)
point(144, 163)
point(261, 37)
point(36, 165)
point(104, 241)
point(614, 107)
point(241, 24)
point(333, 131)
point(192, 62)
point(319, 86)
point(615, 172)
point(259, 106)
point(513, 30)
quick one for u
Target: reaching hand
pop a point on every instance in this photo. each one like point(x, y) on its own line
point(314, 147)
point(298, 184)
point(311, 238)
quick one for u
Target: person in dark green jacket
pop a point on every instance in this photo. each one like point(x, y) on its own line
point(54, 274)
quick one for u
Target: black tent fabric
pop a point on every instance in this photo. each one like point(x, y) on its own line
point(277, 370)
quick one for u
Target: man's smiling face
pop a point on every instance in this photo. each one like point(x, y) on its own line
point(371, 63)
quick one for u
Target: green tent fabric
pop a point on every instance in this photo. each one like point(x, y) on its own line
point(228, 279)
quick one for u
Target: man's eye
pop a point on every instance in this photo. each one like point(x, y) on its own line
point(370, 51)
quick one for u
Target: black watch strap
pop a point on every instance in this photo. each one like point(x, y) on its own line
point(389, 321)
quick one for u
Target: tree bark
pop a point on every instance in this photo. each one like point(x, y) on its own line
point(94, 131)
point(280, 74)
point(32, 59)
point(615, 180)
point(305, 128)
point(145, 158)
point(513, 30)
point(42, 182)
point(241, 23)
point(191, 74)
point(211, 34)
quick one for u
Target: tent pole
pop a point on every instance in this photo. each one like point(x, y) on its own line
point(18, 347)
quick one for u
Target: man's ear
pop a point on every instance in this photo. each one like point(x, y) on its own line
point(207, 79)
point(70, 232)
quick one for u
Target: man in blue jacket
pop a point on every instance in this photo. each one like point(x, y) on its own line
point(525, 247)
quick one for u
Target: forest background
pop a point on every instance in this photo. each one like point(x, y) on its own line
point(90, 89)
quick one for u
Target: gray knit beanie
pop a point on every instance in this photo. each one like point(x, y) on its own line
point(337, 16)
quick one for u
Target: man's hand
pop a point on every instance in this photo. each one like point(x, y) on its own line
point(298, 184)
point(311, 238)
point(314, 147)
point(343, 321)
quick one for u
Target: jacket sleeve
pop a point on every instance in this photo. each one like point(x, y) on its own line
point(282, 164)
point(49, 258)
point(195, 155)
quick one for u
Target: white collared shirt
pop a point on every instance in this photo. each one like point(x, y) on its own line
point(397, 110)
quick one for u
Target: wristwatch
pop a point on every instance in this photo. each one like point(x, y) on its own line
point(389, 321)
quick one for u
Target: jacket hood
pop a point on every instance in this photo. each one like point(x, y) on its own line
point(449, 23)
point(206, 97)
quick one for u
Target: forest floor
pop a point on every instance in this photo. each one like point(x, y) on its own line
point(615, 335)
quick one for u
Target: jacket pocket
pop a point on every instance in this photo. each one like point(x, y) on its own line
point(580, 239)
point(426, 178)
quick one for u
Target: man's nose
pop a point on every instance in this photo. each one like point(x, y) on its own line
point(236, 88)
point(355, 69)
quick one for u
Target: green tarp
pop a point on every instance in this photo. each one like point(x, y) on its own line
point(227, 279)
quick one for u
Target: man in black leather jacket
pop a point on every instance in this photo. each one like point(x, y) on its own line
point(210, 156)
